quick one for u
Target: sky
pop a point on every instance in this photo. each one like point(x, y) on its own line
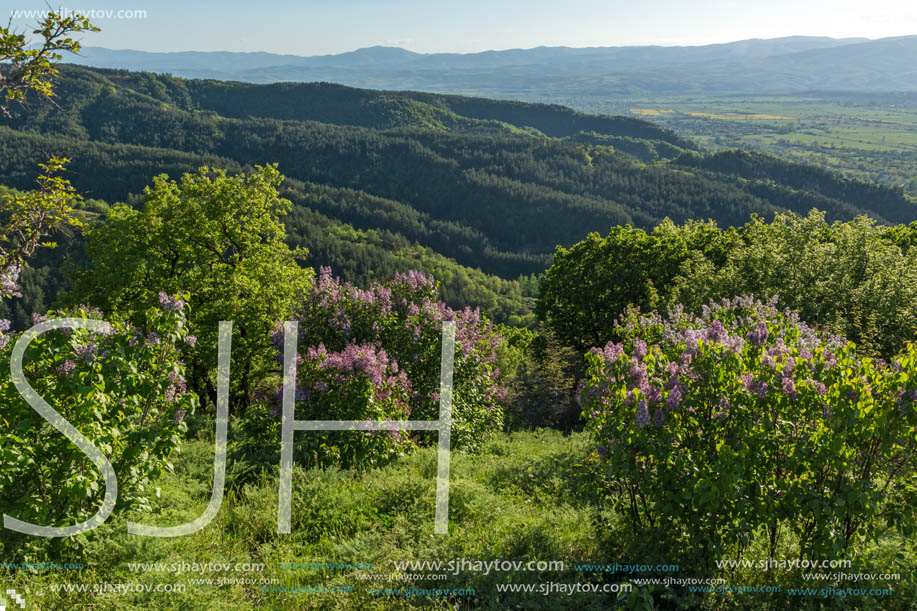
point(428, 26)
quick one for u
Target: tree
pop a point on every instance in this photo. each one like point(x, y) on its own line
point(24, 69)
point(593, 282)
point(26, 219)
point(218, 237)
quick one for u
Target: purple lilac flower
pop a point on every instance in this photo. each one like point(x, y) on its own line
point(180, 416)
point(176, 387)
point(820, 388)
point(153, 339)
point(415, 280)
point(674, 399)
point(716, 332)
point(658, 418)
point(672, 383)
point(359, 358)
point(653, 394)
point(4, 325)
point(724, 407)
point(748, 380)
point(8, 284)
point(611, 353)
point(642, 414)
point(691, 341)
point(637, 370)
point(759, 334)
point(684, 365)
point(170, 304)
point(191, 340)
point(734, 343)
point(66, 368)
point(789, 388)
point(639, 349)
point(88, 352)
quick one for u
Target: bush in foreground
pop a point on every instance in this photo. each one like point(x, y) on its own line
point(374, 354)
point(721, 428)
point(125, 391)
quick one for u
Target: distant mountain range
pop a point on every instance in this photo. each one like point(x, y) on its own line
point(780, 65)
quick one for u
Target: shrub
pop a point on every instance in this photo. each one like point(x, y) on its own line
point(125, 391)
point(375, 354)
point(726, 426)
point(220, 237)
point(543, 387)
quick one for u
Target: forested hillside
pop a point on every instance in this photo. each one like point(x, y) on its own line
point(386, 181)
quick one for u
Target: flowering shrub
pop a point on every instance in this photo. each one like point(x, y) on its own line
point(744, 420)
point(9, 286)
point(375, 354)
point(125, 391)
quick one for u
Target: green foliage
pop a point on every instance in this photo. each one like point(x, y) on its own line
point(125, 391)
point(743, 422)
point(754, 166)
point(590, 284)
point(30, 67)
point(497, 200)
point(543, 381)
point(28, 217)
point(855, 279)
point(217, 236)
point(850, 278)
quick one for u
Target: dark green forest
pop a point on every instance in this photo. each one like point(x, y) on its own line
point(479, 192)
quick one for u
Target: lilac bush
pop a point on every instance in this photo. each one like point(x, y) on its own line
point(743, 420)
point(125, 391)
point(9, 279)
point(375, 354)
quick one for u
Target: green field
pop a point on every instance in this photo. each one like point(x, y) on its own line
point(871, 136)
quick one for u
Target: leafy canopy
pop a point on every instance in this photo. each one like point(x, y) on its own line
point(218, 237)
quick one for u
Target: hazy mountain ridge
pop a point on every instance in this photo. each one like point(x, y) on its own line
point(796, 63)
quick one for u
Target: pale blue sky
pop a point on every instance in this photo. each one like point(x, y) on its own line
point(334, 26)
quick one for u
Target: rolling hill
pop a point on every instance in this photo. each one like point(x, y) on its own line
point(479, 191)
